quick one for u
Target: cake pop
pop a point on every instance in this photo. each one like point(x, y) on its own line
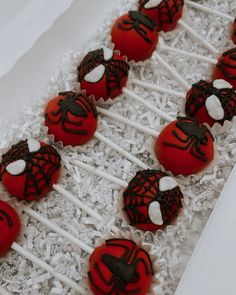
point(135, 35)
point(103, 73)
point(152, 200)
point(185, 146)
point(29, 169)
point(234, 32)
point(71, 117)
point(226, 67)
point(9, 227)
point(119, 266)
point(211, 102)
point(165, 13)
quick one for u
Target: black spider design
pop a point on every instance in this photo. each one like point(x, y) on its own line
point(76, 104)
point(115, 70)
point(124, 269)
point(7, 217)
point(143, 189)
point(225, 67)
point(196, 137)
point(138, 19)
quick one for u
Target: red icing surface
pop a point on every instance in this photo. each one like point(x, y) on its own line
point(196, 97)
point(113, 80)
point(182, 161)
point(41, 172)
point(130, 42)
point(80, 122)
point(234, 32)
point(166, 14)
point(9, 227)
point(226, 67)
point(142, 190)
point(129, 260)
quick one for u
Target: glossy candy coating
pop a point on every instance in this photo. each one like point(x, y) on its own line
point(185, 147)
point(103, 74)
point(165, 13)
point(152, 200)
point(135, 36)
point(71, 117)
point(9, 227)
point(29, 169)
point(119, 266)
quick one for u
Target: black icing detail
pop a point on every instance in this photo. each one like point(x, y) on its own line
point(226, 67)
point(7, 217)
point(115, 70)
point(123, 269)
point(140, 23)
point(40, 166)
point(76, 104)
point(199, 93)
point(196, 137)
point(142, 190)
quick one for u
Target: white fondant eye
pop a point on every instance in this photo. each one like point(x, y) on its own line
point(167, 183)
point(107, 53)
point(16, 168)
point(214, 108)
point(95, 75)
point(154, 213)
point(222, 84)
point(152, 3)
point(33, 145)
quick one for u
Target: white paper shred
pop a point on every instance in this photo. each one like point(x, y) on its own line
point(173, 246)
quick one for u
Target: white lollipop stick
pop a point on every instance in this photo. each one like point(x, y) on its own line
point(209, 10)
point(197, 37)
point(126, 121)
point(100, 173)
point(163, 48)
point(120, 150)
point(40, 263)
point(4, 291)
point(148, 105)
point(171, 70)
point(154, 87)
point(58, 230)
point(77, 202)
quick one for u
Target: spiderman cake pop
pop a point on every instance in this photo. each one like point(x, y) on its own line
point(152, 200)
point(226, 67)
point(185, 146)
point(29, 169)
point(165, 13)
point(121, 267)
point(211, 102)
point(103, 73)
point(9, 227)
point(71, 117)
point(135, 35)
point(234, 32)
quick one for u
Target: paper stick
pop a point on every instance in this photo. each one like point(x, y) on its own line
point(126, 121)
point(40, 263)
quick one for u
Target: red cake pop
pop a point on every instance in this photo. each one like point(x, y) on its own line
point(135, 35)
point(165, 13)
point(29, 169)
point(103, 73)
point(185, 146)
point(211, 102)
point(71, 117)
point(226, 67)
point(9, 227)
point(120, 267)
point(234, 32)
point(152, 200)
